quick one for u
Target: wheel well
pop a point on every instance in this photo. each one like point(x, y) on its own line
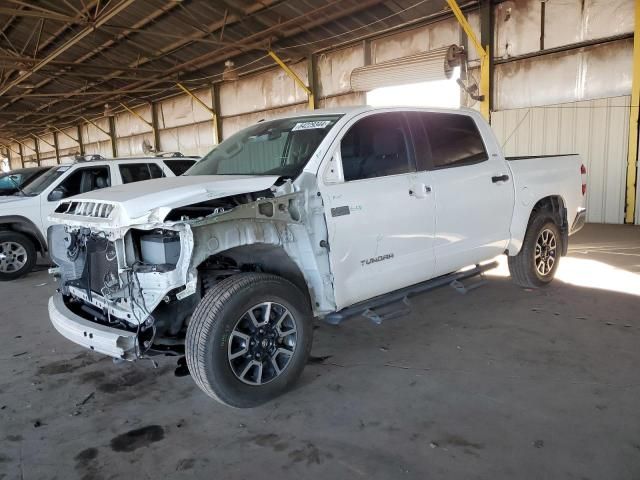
point(23, 229)
point(252, 258)
point(555, 206)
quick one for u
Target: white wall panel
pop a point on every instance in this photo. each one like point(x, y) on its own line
point(189, 140)
point(48, 162)
point(231, 125)
point(266, 90)
point(422, 39)
point(334, 70)
point(128, 124)
point(596, 129)
point(90, 133)
point(518, 23)
point(64, 142)
point(132, 146)
point(184, 110)
point(15, 160)
point(101, 148)
point(46, 144)
point(596, 72)
point(348, 100)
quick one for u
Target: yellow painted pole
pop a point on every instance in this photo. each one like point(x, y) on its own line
point(9, 148)
point(108, 134)
point(214, 115)
point(42, 140)
point(483, 53)
point(295, 78)
point(65, 134)
point(135, 114)
point(21, 143)
point(632, 155)
point(142, 119)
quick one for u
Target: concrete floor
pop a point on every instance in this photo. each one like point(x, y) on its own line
point(499, 383)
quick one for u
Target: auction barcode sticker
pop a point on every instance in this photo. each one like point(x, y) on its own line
point(310, 125)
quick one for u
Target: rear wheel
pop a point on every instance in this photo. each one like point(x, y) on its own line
point(249, 339)
point(17, 255)
point(537, 262)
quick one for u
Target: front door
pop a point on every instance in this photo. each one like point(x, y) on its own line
point(380, 212)
point(81, 180)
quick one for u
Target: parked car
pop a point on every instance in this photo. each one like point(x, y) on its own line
point(11, 182)
point(322, 214)
point(23, 217)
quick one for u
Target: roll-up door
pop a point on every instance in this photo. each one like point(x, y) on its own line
point(422, 67)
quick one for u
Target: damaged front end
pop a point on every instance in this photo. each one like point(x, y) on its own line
point(130, 278)
point(117, 279)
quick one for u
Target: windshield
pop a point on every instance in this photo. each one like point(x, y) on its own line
point(42, 182)
point(278, 147)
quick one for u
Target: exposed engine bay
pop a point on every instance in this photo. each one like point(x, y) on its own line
point(147, 278)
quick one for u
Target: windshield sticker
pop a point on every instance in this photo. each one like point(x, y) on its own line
point(310, 125)
point(63, 168)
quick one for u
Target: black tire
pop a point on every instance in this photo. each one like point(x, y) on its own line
point(523, 267)
point(212, 325)
point(8, 237)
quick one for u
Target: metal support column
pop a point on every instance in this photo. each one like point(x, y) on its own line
point(156, 128)
point(21, 154)
point(312, 75)
point(56, 146)
point(112, 135)
point(79, 140)
point(632, 155)
point(295, 78)
point(483, 53)
point(37, 148)
point(215, 100)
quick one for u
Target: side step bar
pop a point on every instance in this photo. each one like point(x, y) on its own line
point(377, 302)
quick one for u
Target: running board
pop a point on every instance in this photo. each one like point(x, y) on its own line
point(368, 307)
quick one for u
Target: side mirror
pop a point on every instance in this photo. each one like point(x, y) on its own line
point(57, 194)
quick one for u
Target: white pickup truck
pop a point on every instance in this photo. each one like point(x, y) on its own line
point(324, 214)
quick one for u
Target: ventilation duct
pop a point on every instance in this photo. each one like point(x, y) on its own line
point(422, 67)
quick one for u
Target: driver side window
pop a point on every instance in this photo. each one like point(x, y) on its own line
point(376, 146)
point(81, 181)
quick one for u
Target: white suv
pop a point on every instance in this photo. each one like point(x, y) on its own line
point(23, 216)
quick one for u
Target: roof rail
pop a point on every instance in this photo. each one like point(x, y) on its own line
point(169, 154)
point(91, 157)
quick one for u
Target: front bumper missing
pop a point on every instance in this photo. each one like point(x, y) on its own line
point(100, 338)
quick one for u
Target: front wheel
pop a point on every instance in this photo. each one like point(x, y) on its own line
point(17, 255)
point(249, 339)
point(538, 259)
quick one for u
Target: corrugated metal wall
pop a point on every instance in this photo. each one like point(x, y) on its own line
point(596, 129)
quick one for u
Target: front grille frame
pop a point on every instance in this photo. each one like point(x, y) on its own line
point(86, 208)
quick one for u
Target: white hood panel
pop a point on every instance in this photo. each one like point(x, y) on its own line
point(137, 201)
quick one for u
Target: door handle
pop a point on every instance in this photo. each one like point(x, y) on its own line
point(500, 178)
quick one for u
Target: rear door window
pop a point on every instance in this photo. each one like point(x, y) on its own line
point(137, 172)
point(454, 139)
point(178, 167)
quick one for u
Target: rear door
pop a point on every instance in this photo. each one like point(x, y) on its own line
point(473, 192)
point(380, 218)
point(139, 171)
